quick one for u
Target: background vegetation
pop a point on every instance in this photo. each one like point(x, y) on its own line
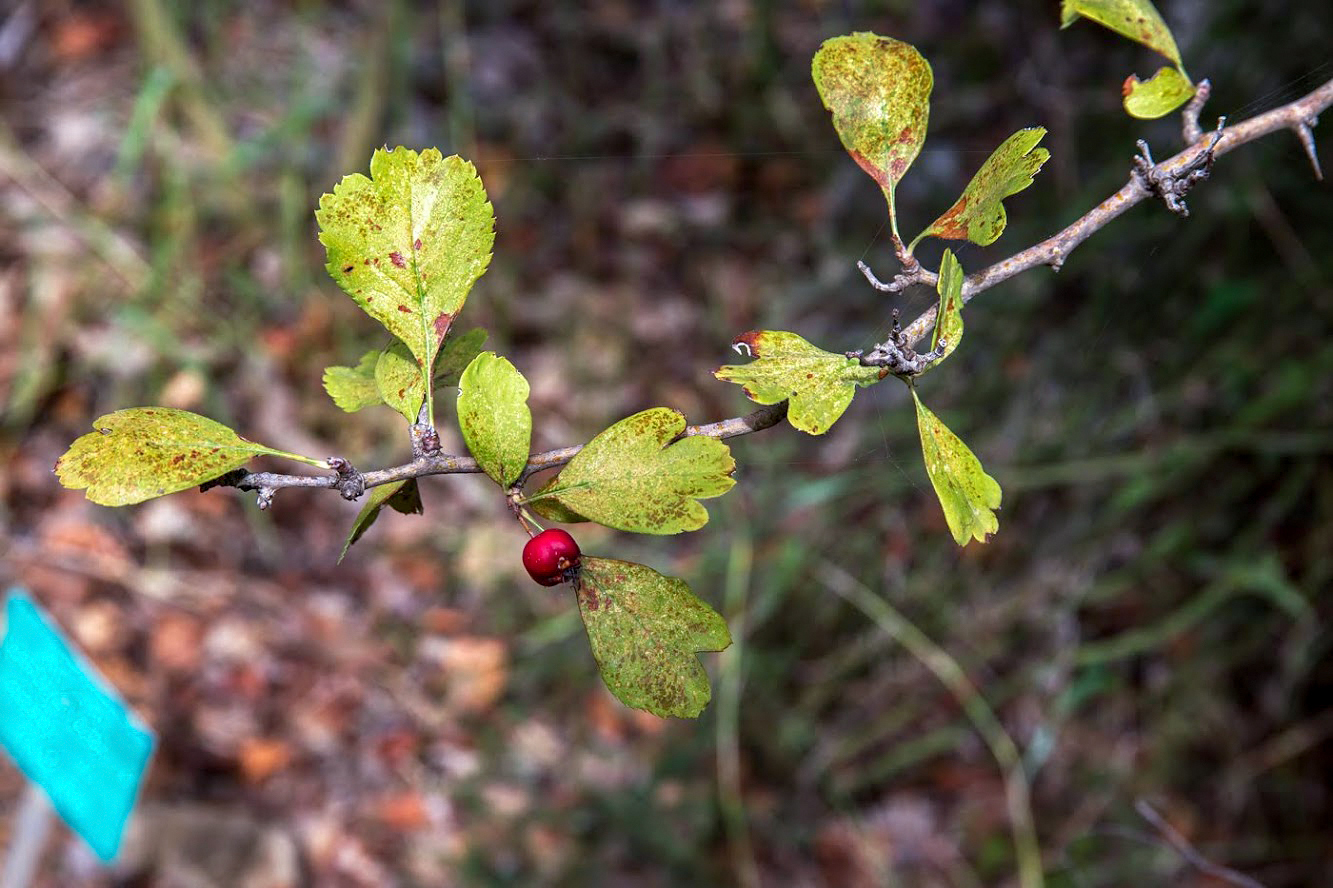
point(1152, 620)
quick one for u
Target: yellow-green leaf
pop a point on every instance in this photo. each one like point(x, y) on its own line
point(1158, 96)
point(978, 215)
point(401, 496)
point(818, 384)
point(494, 417)
point(636, 476)
point(646, 631)
point(967, 494)
point(878, 90)
point(354, 388)
point(1138, 20)
point(949, 312)
point(408, 243)
point(144, 452)
point(399, 381)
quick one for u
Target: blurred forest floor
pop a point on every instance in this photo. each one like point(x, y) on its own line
point(1151, 622)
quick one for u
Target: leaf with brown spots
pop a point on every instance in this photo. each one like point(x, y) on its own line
point(967, 494)
point(399, 381)
point(144, 452)
point(878, 89)
point(978, 215)
point(636, 476)
point(401, 496)
point(408, 243)
point(645, 630)
point(1138, 20)
point(818, 384)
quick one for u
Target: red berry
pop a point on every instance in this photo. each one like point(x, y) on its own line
point(551, 556)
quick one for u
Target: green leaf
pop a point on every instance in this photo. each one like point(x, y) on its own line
point(978, 215)
point(143, 452)
point(459, 350)
point(646, 630)
point(819, 384)
point(399, 381)
point(353, 388)
point(949, 313)
point(1158, 96)
point(635, 476)
point(408, 243)
point(1136, 19)
point(968, 495)
point(494, 417)
point(878, 89)
point(401, 496)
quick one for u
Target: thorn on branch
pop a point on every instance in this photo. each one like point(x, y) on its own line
point(1303, 132)
point(896, 356)
point(1190, 116)
point(351, 483)
point(1172, 187)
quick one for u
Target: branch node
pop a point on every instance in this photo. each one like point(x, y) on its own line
point(896, 355)
point(1303, 132)
point(351, 483)
point(1172, 186)
point(425, 440)
point(265, 498)
point(910, 276)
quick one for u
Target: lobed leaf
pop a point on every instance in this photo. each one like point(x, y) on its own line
point(967, 494)
point(878, 90)
point(494, 417)
point(645, 630)
point(636, 476)
point(978, 215)
point(1157, 96)
point(354, 388)
point(1138, 20)
point(408, 243)
point(144, 452)
point(401, 496)
point(818, 384)
point(949, 312)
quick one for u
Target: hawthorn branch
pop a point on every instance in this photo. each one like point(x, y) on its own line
point(1298, 116)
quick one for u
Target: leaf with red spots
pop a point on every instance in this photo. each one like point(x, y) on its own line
point(646, 630)
point(1138, 20)
point(136, 454)
point(818, 384)
point(978, 215)
point(1157, 96)
point(967, 494)
point(401, 496)
point(408, 243)
point(637, 476)
point(878, 89)
point(494, 417)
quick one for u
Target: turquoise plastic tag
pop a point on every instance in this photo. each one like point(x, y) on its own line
point(67, 729)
